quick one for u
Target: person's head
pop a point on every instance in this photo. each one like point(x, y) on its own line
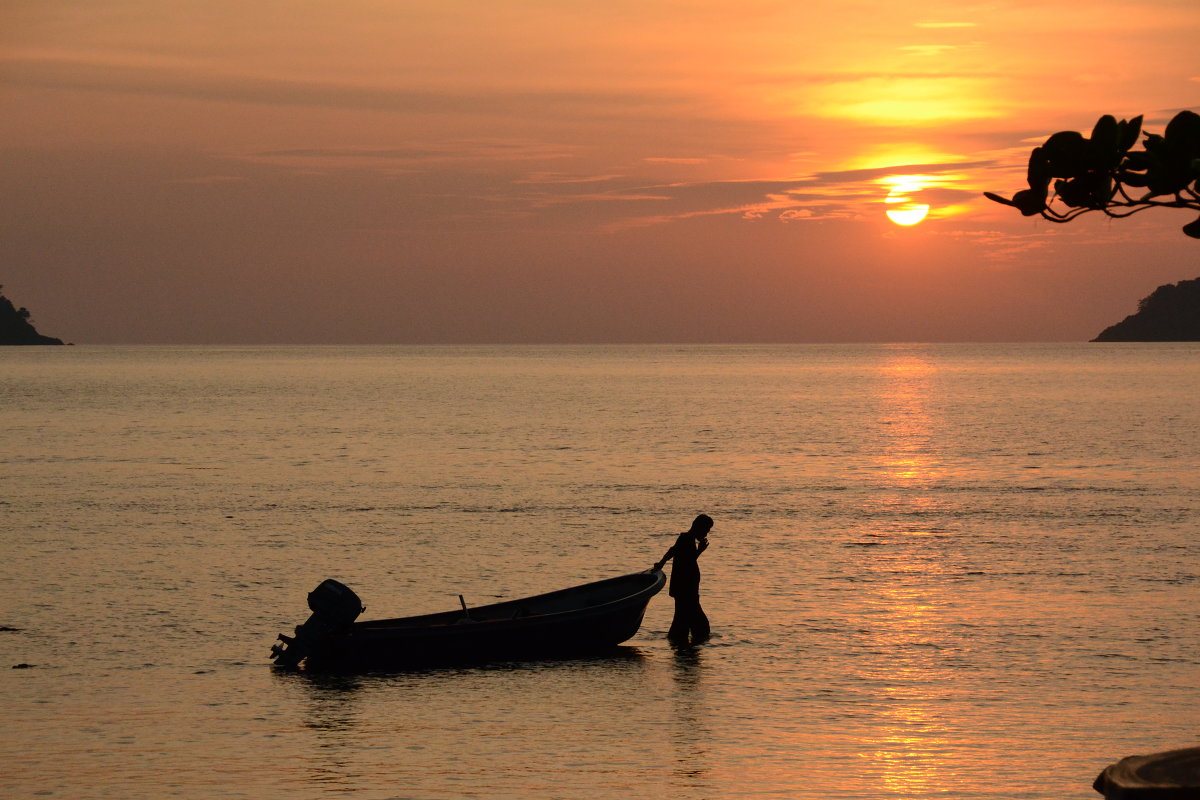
point(701, 525)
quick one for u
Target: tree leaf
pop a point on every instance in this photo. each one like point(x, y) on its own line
point(1065, 153)
point(1183, 131)
point(1030, 201)
point(1039, 174)
point(1075, 192)
point(1129, 132)
point(1193, 228)
point(1105, 135)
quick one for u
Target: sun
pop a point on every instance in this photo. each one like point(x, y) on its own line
point(903, 209)
point(908, 214)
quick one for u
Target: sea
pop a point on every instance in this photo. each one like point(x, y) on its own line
point(952, 571)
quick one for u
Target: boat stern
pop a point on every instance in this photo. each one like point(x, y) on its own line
point(334, 608)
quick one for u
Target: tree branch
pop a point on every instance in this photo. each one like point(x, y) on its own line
point(1096, 173)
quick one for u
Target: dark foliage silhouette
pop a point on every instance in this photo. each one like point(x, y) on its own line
point(1104, 173)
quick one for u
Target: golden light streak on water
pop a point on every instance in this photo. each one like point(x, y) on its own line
point(906, 419)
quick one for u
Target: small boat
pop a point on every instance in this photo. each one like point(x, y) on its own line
point(1170, 775)
point(580, 620)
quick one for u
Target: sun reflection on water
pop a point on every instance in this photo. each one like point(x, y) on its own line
point(909, 752)
point(907, 421)
point(908, 747)
point(691, 735)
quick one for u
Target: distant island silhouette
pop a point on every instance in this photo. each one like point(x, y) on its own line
point(1170, 314)
point(15, 327)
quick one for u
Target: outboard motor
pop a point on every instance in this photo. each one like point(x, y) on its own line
point(335, 602)
point(335, 606)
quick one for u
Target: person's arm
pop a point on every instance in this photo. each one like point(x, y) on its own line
point(667, 556)
point(702, 545)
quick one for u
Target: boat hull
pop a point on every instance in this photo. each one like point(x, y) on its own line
point(578, 621)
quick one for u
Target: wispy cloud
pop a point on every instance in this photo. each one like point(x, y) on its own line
point(560, 179)
point(666, 160)
point(933, 50)
point(201, 83)
point(820, 195)
point(859, 175)
point(456, 151)
point(211, 180)
point(910, 101)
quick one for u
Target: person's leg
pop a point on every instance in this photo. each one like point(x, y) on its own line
point(679, 623)
point(699, 623)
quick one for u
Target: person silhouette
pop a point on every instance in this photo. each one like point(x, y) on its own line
point(685, 582)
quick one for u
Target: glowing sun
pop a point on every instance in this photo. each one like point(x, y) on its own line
point(908, 214)
point(902, 208)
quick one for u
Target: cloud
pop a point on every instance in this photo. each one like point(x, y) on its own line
point(1005, 246)
point(559, 179)
point(354, 153)
point(857, 175)
point(417, 156)
point(211, 180)
point(447, 182)
point(931, 50)
point(910, 101)
point(820, 195)
point(801, 78)
point(198, 83)
point(686, 161)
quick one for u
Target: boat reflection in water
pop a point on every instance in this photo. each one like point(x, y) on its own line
point(591, 618)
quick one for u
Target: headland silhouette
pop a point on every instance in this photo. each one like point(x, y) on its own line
point(15, 327)
point(1171, 313)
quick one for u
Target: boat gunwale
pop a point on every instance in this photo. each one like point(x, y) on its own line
point(455, 619)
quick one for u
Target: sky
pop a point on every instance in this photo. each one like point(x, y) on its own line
point(551, 171)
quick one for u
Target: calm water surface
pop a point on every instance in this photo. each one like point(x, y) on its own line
point(953, 571)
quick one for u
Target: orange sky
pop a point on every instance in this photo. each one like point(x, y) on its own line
point(215, 171)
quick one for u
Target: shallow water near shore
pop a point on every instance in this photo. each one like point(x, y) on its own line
point(963, 571)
